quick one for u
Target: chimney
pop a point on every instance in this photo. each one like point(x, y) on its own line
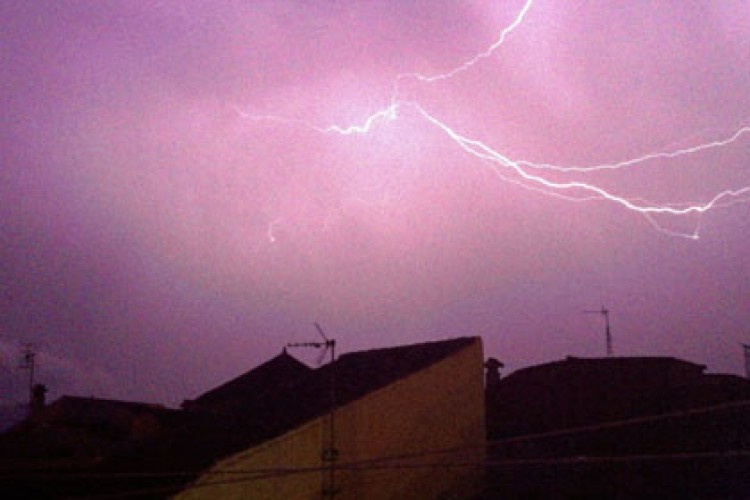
point(492, 376)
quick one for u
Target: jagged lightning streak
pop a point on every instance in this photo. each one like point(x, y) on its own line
point(488, 52)
point(481, 150)
point(270, 232)
point(521, 168)
point(389, 113)
point(641, 159)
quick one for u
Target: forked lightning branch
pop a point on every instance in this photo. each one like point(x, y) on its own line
point(531, 175)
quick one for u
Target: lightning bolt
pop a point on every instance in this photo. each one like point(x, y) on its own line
point(271, 231)
point(641, 159)
point(389, 113)
point(488, 52)
point(527, 174)
point(481, 150)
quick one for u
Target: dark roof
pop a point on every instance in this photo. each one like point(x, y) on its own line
point(582, 391)
point(639, 367)
point(256, 384)
point(280, 394)
point(354, 376)
point(92, 403)
point(360, 373)
point(74, 410)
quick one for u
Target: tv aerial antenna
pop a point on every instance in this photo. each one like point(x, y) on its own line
point(327, 345)
point(28, 362)
point(607, 331)
point(330, 453)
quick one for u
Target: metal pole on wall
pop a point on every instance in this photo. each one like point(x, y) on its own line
point(329, 453)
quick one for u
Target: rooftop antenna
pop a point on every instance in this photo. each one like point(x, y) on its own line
point(330, 453)
point(607, 332)
point(28, 362)
point(746, 351)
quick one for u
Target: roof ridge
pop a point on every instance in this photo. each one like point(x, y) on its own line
point(259, 372)
point(374, 350)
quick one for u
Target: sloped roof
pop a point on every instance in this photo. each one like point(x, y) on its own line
point(352, 376)
point(359, 373)
point(280, 394)
point(581, 391)
point(86, 410)
point(92, 403)
point(257, 383)
point(629, 367)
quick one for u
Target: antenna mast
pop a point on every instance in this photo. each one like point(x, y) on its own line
point(28, 362)
point(330, 453)
point(607, 332)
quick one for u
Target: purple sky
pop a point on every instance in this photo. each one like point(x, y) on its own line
point(160, 234)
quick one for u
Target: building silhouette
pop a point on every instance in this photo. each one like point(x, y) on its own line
point(428, 420)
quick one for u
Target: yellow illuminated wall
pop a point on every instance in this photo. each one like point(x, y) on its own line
point(406, 422)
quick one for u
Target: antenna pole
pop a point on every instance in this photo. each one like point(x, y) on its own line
point(607, 331)
point(746, 351)
point(330, 453)
point(605, 313)
point(29, 362)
